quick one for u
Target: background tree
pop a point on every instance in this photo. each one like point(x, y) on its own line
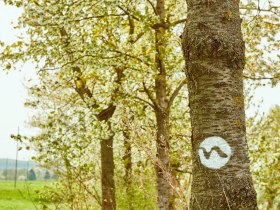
point(31, 176)
point(47, 175)
point(66, 130)
point(263, 137)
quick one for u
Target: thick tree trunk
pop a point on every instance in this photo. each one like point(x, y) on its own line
point(107, 163)
point(214, 52)
point(107, 174)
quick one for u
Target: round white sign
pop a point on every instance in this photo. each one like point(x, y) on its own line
point(214, 152)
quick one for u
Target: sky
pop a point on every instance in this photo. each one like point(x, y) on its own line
point(13, 94)
point(13, 114)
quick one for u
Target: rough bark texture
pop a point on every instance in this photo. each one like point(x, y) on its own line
point(107, 175)
point(107, 163)
point(214, 51)
point(127, 159)
point(163, 167)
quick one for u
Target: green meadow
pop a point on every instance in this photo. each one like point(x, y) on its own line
point(24, 197)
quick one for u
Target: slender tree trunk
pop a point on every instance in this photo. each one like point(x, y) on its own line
point(270, 205)
point(128, 168)
point(107, 174)
point(214, 51)
point(163, 167)
point(127, 158)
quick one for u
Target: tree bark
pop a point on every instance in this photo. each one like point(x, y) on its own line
point(127, 159)
point(165, 179)
point(214, 52)
point(107, 174)
point(163, 166)
point(107, 162)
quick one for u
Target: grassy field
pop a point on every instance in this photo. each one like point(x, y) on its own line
point(23, 197)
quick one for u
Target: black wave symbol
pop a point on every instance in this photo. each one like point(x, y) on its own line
point(217, 149)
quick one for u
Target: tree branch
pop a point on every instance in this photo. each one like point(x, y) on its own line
point(178, 22)
point(143, 100)
point(150, 96)
point(155, 11)
point(97, 17)
point(131, 56)
point(183, 171)
point(137, 38)
point(127, 13)
point(259, 78)
point(176, 92)
point(270, 9)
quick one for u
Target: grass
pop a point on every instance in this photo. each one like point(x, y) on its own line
point(23, 197)
point(26, 196)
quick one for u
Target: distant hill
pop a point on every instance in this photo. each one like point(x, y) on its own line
point(11, 164)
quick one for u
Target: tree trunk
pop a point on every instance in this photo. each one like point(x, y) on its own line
point(107, 174)
point(163, 166)
point(214, 51)
point(127, 159)
point(107, 157)
point(270, 205)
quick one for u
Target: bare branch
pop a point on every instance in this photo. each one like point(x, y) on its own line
point(183, 171)
point(36, 24)
point(128, 13)
point(176, 92)
point(178, 22)
point(155, 11)
point(132, 56)
point(260, 9)
point(272, 9)
point(137, 38)
point(150, 96)
point(258, 78)
point(97, 17)
point(74, 61)
point(106, 113)
point(143, 100)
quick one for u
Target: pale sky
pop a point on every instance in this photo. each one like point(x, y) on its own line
point(13, 114)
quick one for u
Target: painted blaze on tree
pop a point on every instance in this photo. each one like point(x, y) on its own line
point(214, 52)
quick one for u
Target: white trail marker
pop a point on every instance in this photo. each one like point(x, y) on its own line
point(214, 152)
